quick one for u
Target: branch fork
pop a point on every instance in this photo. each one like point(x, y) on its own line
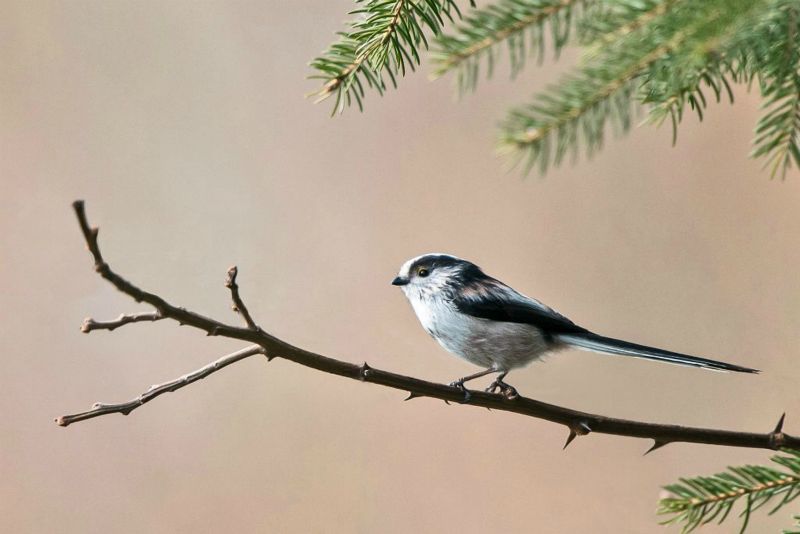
point(262, 343)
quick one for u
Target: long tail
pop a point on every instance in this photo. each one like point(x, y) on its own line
point(607, 345)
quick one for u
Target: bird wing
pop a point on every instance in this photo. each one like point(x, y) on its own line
point(491, 299)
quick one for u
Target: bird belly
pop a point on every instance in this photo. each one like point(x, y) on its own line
point(490, 344)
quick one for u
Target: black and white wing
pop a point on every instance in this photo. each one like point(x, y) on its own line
point(491, 299)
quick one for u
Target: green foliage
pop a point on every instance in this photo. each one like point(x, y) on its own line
point(572, 113)
point(522, 24)
point(659, 56)
point(700, 500)
point(763, 48)
point(383, 42)
point(775, 49)
point(607, 21)
point(576, 111)
point(639, 57)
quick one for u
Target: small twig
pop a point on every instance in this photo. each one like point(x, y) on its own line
point(125, 408)
point(578, 423)
point(90, 324)
point(238, 304)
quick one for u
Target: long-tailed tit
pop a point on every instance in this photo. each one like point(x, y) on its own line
point(487, 323)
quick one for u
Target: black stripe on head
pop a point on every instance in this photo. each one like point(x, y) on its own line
point(463, 270)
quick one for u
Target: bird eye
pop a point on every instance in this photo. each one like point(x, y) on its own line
point(423, 272)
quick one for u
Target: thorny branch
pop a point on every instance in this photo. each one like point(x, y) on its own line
point(578, 423)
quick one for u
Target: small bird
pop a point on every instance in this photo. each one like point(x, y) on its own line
point(487, 323)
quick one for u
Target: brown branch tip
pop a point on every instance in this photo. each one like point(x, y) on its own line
point(238, 304)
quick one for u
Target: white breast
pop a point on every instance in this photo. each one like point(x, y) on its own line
point(483, 342)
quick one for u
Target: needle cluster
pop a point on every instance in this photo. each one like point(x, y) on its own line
point(700, 500)
point(661, 58)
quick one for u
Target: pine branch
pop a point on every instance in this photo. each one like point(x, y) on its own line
point(700, 500)
point(717, 75)
point(610, 21)
point(664, 55)
point(576, 111)
point(659, 56)
point(699, 46)
point(521, 24)
point(718, 54)
point(383, 43)
point(778, 52)
point(796, 528)
point(778, 131)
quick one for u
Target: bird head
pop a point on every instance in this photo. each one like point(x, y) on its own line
point(431, 273)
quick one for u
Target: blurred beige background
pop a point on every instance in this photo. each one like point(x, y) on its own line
point(183, 125)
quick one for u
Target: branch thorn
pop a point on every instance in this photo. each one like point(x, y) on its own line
point(581, 428)
point(412, 395)
point(777, 438)
point(572, 436)
point(657, 444)
point(779, 426)
point(363, 371)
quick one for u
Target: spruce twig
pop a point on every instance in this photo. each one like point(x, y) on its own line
point(696, 501)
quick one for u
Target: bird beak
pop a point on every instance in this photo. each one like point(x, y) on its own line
point(399, 281)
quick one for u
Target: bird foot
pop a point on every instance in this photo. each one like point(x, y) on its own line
point(459, 384)
point(507, 390)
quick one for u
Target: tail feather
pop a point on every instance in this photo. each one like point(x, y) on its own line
point(607, 345)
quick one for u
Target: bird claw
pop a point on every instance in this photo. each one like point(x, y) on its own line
point(507, 390)
point(459, 384)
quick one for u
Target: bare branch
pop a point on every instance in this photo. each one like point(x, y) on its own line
point(90, 324)
point(578, 423)
point(125, 408)
point(238, 305)
point(167, 310)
